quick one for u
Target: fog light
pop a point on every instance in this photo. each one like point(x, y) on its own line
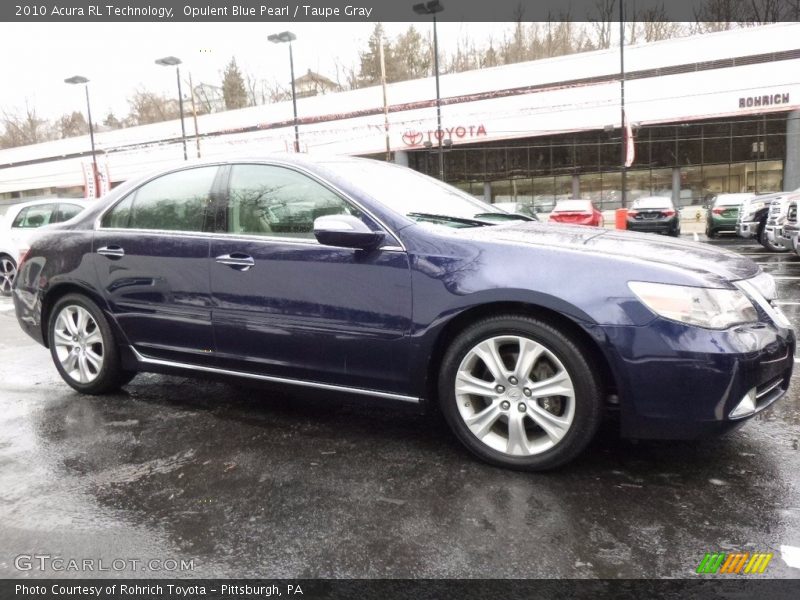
point(746, 407)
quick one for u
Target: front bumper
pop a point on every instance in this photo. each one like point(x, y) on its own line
point(748, 229)
point(779, 237)
point(652, 226)
point(669, 392)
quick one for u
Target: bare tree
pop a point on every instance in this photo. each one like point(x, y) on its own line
point(149, 107)
point(605, 11)
point(25, 129)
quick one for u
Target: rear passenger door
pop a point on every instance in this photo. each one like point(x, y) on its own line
point(151, 254)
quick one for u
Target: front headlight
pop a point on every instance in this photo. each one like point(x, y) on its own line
point(705, 307)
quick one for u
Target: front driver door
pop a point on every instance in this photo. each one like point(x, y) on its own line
point(287, 306)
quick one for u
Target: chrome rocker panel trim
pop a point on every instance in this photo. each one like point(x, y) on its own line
point(310, 384)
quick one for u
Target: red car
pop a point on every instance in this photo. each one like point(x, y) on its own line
point(576, 212)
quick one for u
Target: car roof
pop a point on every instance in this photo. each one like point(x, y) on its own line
point(79, 201)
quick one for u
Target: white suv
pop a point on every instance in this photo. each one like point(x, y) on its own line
point(18, 224)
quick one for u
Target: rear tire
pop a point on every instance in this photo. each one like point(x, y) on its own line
point(711, 233)
point(491, 387)
point(83, 347)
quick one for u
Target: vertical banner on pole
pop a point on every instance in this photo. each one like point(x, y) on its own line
point(103, 180)
point(630, 146)
point(89, 182)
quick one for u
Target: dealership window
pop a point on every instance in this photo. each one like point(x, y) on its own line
point(691, 191)
point(455, 165)
point(769, 177)
point(717, 179)
point(518, 162)
point(746, 141)
point(637, 184)
point(716, 143)
point(611, 186)
point(661, 182)
point(540, 160)
point(591, 187)
point(663, 147)
point(690, 144)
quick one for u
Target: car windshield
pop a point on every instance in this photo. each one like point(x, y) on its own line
point(652, 203)
point(418, 196)
point(573, 206)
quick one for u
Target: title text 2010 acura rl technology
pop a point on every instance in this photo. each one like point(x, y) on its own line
point(372, 279)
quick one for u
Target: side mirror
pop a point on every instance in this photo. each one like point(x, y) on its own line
point(346, 231)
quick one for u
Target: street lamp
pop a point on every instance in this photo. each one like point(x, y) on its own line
point(173, 61)
point(78, 79)
point(279, 38)
point(431, 8)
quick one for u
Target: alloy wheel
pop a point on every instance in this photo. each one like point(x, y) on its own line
point(515, 395)
point(78, 344)
point(8, 271)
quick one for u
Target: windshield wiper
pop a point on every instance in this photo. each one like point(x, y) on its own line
point(448, 220)
point(492, 216)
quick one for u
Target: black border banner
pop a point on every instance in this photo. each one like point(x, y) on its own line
point(185, 11)
point(707, 588)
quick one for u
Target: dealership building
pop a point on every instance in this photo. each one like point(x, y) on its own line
point(710, 114)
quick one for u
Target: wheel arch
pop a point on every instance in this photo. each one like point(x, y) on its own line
point(58, 291)
point(564, 323)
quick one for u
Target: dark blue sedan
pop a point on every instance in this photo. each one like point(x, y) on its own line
point(372, 279)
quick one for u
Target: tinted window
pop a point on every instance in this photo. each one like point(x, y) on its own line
point(179, 201)
point(652, 203)
point(267, 200)
point(573, 205)
point(35, 216)
point(66, 212)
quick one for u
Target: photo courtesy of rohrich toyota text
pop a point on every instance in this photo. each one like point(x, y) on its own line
point(399, 299)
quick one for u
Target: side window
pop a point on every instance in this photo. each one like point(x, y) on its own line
point(65, 212)
point(35, 216)
point(268, 200)
point(178, 201)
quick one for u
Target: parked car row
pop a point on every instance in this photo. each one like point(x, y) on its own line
point(763, 217)
point(17, 225)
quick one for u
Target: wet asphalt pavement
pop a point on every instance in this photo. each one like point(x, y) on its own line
point(252, 483)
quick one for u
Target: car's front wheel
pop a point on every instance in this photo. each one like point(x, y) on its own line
point(8, 271)
point(83, 347)
point(519, 393)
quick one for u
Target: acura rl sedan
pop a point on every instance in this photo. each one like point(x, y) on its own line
point(371, 279)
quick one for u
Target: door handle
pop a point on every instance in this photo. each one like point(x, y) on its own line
point(237, 260)
point(111, 251)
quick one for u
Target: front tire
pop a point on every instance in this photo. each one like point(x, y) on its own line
point(519, 393)
point(83, 347)
point(8, 272)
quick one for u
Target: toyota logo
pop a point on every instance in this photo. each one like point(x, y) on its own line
point(412, 138)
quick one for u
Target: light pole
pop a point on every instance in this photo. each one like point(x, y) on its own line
point(78, 79)
point(279, 38)
point(431, 8)
point(174, 61)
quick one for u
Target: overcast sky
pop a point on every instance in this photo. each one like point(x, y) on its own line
point(118, 58)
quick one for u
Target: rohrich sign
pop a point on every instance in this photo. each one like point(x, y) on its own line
point(764, 100)
point(415, 138)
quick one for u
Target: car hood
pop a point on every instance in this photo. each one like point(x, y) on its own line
point(685, 255)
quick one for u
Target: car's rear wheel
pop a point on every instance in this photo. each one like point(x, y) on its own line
point(519, 393)
point(8, 272)
point(711, 233)
point(83, 347)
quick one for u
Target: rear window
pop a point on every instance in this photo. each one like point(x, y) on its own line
point(652, 203)
point(573, 206)
point(729, 200)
